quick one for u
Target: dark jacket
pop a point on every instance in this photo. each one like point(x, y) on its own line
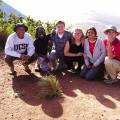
point(41, 45)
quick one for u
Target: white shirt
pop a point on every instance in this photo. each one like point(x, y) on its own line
point(60, 35)
point(16, 46)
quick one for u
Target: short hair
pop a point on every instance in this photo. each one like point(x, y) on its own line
point(42, 30)
point(60, 22)
point(93, 29)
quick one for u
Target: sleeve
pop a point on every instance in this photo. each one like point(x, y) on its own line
point(85, 54)
point(31, 48)
point(103, 54)
point(9, 48)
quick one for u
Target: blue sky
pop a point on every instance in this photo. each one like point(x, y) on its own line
point(69, 10)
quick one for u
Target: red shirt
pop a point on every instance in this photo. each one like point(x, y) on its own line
point(115, 48)
point(91, 47)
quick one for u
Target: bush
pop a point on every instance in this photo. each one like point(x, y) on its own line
point(49, 87)
point(3, 38)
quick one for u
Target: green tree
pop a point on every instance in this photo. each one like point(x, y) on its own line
point(7, 24)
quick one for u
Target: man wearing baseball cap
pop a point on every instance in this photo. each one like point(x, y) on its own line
point(112, 61)
point(19, 46)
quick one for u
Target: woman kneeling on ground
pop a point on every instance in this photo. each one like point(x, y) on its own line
point(41, 49)
point(74, 50)
point(94, 55)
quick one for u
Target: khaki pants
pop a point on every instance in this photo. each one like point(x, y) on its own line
point(112, 67)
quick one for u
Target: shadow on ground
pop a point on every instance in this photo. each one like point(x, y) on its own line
point(69, 82)
point(28, 90)
point(97, 88)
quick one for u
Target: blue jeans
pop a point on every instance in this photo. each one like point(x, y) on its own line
point(92, 73)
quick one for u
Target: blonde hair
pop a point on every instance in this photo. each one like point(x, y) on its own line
point(82, 37)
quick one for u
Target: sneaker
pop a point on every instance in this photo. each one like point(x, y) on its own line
point(111, 81)
point(107, 77)
point(73, 71)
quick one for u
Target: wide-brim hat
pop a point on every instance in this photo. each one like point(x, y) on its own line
point(113, 28)
point(20, 25)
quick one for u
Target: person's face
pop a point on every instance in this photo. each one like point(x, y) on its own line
point(20, 32)
point(111, 34)
point(41, 33)
point(60, 28)
point(91, 34)
point(77, 34)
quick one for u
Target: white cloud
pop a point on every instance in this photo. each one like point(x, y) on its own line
point(69, 10)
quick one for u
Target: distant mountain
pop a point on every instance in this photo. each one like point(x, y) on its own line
point(9, 9)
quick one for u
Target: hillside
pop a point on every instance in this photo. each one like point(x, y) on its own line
point(9, 9)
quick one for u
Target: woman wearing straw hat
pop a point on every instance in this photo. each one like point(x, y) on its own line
point(112, 61)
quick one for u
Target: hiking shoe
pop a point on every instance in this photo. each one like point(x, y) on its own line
point(107, 77)
point(111, 81)
point(74, 71)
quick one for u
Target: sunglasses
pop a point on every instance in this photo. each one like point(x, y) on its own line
point(111, 32)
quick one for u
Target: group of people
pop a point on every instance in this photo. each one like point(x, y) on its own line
point(87, 55)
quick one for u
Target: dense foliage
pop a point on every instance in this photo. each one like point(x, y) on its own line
point(7, 23)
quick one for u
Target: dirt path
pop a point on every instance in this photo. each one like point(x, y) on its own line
point(82, 100)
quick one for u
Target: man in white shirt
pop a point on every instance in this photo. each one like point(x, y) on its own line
point(20, 46)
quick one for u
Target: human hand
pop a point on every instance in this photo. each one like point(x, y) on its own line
point(79, 54)
point(24, 57)
point(109, 40)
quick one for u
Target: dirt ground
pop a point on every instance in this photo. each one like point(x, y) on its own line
point(82, 100)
